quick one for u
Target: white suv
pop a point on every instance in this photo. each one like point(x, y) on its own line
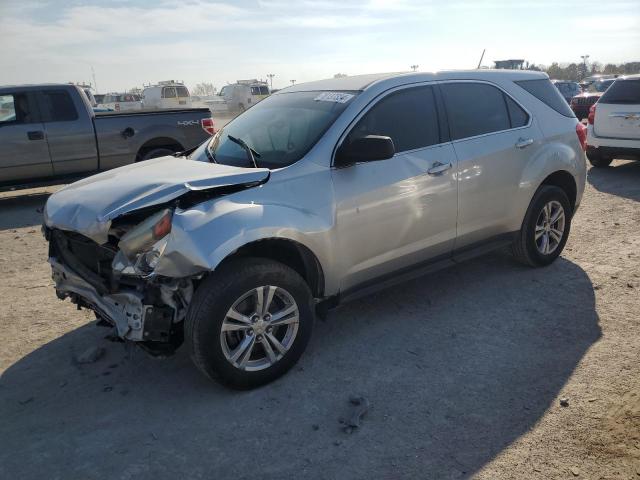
point(614, 123)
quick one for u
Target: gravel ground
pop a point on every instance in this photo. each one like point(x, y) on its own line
point(465, 372)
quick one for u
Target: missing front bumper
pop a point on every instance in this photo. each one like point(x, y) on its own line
point(126, 310)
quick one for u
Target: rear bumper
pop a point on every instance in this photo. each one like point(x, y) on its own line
point(612, 147)
point(614, 152)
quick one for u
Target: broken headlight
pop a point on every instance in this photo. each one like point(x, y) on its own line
point(144, 244)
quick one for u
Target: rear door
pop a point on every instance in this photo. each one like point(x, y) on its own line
point(494, 140)
point(69, 130)
point(618, 111)
point(23, 146)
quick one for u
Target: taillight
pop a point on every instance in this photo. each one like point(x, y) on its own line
point(592, 114)
point(581, 131)
point(208, 125)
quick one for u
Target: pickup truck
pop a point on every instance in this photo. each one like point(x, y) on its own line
point(50, 132)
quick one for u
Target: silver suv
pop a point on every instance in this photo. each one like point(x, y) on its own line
point(320, 193)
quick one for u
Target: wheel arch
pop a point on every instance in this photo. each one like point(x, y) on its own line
point(158, 142)
point(564, 180)
point(288, 252)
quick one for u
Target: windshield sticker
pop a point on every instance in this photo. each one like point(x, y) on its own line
point(335, 97)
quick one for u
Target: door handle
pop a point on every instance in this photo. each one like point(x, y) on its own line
point(128, 132)
point(438, 168)
point(524, 142)
point(36, 135)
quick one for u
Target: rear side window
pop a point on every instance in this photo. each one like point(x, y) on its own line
point(544, 91)
point(58, 106)
point(622, 92)
point(182, 92)
point(518, 117)
point(409, 117)
point(475, 109)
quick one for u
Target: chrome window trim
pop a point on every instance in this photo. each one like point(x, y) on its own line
point(529, 123)
point(389, 91)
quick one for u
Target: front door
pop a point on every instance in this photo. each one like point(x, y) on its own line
point(396, 213)
point(24, 154)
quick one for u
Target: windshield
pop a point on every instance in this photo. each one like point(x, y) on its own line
point(281, 129)
point(568, 88)
point(600, 86)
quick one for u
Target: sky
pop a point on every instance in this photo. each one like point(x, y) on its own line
point(131, 43)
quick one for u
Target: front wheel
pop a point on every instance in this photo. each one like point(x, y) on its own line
point(249, 322)
point(545, 228)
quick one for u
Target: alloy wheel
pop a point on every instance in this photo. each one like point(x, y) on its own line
point(259, 328)
point(550, 227)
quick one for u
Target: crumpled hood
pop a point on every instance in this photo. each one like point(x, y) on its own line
point(88, 206)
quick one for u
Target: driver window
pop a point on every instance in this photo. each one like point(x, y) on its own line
point(408, 116)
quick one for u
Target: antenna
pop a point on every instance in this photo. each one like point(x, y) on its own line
point(481, 57)
point(93, 74)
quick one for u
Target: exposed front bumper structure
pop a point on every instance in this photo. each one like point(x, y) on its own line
point(125, 309)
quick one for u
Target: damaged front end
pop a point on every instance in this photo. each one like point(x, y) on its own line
point(116, 245)
point(117, 280)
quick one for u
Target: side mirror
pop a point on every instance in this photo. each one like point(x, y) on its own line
point(365, 149)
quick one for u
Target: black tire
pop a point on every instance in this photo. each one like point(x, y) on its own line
point(157, 152)
point(213, 299)
point(597, 160)
point(524, 246)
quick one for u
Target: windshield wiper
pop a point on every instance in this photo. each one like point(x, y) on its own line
point(251, 153)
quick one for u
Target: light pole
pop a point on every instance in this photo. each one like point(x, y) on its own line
point(584, 62)
point(414, 67)
point(270, 77)
point(293, 82)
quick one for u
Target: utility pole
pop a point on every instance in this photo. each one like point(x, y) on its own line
point(293, 82)
point(414, 67)
point(270, 77)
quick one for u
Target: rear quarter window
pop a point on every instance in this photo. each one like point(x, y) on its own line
point(623, 92)
point(182, 92)
point(544, 91)
point(58, 106)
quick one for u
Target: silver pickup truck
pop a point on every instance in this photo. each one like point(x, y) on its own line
point(50, 132)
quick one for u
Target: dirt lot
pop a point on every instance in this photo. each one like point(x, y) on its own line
point(464, 371)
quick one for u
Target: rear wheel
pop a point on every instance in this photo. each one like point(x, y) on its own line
point(157, 152)
point(545, 228)
point(249, 322)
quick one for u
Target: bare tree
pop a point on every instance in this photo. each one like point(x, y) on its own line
point(204, 89)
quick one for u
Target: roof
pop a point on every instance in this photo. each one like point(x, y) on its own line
point(39, 85)
point(635, 76)
point(361, 82)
